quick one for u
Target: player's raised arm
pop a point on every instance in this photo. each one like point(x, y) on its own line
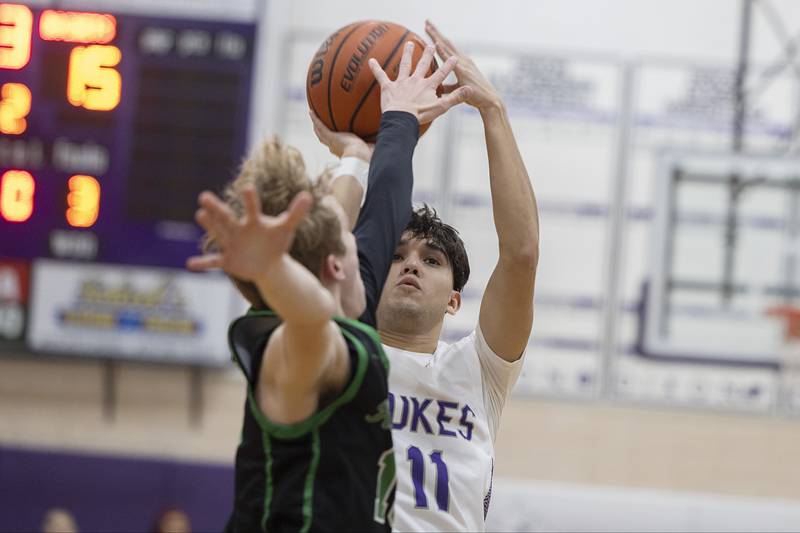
point(256, 248)
point(506, 314)
point(406, 102)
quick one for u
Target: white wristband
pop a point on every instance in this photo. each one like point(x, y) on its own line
point(353, 166)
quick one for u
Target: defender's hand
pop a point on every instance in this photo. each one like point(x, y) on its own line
point(250, 245)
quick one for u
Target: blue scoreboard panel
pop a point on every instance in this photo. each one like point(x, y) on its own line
point(110, 126)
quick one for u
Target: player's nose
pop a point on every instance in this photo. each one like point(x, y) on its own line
point(411, 264)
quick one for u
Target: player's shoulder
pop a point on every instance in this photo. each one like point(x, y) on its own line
point(358, 333)
point(460, 343)
point(460, 351)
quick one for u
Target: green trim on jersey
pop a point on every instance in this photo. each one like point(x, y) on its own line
point(373, 334)
point(267, 478)
point(293, 431)
point(308, 491)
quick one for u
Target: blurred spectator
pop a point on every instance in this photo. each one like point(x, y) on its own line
point(58, 520)
point(173, 520)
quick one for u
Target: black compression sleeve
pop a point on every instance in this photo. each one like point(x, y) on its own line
point(387, 206)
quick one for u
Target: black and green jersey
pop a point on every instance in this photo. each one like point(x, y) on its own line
point(332, 472)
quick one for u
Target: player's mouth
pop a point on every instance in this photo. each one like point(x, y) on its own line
point(410, 281)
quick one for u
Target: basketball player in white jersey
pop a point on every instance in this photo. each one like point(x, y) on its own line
point(446, 399)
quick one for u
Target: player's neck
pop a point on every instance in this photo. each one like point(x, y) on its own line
point(336, 291)
point(425, 342)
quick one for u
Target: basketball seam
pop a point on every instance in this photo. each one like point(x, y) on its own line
point(330, 74)
point(375, 82)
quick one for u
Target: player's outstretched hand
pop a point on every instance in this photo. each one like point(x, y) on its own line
point(483, 94)
point(341, 143)
point(416, 93)
point(249, 245)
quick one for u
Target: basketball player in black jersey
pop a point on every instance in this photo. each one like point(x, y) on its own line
point(316, 445)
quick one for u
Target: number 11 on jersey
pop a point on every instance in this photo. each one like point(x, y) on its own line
point(417, 460)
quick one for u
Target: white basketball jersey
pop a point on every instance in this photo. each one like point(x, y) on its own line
point(446, 409)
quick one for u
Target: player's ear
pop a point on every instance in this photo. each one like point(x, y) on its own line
point(332, 268)
point(455, 303)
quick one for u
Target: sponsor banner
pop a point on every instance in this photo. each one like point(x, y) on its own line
point(131, 312)
point(14, 286)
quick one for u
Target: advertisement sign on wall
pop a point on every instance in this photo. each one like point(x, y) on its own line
point(131, 312)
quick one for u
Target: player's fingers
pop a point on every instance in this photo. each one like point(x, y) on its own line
point(378, 72)
point(215, 206)
point(211, 225)
point(456, 97)
point(443, 44)
point(448, 88)
point(204, 262)
point(252, 204)
point(441, 74)
point(405, 61)
point(443, 51)
point(217, 213)
point(425, 61)
point(320, 129)
point(444, 103)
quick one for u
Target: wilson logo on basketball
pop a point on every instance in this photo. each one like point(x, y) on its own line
point(318, 63)
point(340, 87)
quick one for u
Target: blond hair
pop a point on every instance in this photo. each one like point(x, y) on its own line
point(278, 173)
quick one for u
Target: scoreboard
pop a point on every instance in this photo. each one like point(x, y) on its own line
point(110, 126)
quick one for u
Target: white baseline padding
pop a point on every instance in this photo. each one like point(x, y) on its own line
point(549, 506)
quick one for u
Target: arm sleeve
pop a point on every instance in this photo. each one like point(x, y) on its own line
point(498, 377)
point(387, 206)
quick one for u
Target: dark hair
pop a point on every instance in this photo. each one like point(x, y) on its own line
point(426, 224)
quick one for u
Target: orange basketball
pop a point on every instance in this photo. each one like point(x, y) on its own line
point(340, 87)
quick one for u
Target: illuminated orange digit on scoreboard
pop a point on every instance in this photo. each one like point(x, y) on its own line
point(83, 201)
point(15, 104)
point(16, 195)
point(16, 25)
point(93, 82)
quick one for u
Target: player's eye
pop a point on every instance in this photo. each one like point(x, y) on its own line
point(397, 257)
point(432, 261)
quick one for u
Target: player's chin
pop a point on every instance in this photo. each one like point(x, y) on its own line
point(406, 302)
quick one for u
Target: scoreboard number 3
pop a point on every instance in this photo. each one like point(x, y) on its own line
point(83, 200)
point(92, 81)
point(16, 30)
